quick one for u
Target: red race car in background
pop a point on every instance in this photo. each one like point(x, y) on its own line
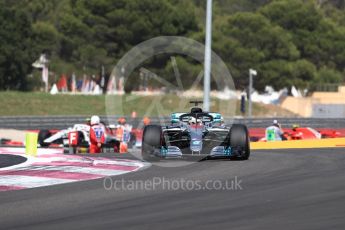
point(298, 133)
point(304, 133)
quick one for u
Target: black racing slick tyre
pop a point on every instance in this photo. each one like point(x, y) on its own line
point(152, 140)
point(132, 141)
point(239, 141)
point(42, 135)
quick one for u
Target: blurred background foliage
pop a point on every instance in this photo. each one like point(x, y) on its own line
point(289, 42)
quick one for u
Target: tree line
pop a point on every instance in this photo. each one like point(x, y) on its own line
point(289, 42)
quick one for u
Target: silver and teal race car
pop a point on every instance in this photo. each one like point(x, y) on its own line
point(196, 133)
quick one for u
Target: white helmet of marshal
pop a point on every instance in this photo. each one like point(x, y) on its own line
point(95, 120)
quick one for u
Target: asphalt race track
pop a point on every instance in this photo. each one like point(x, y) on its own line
point(285, 189)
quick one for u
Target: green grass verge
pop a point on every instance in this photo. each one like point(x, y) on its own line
point(19, 103)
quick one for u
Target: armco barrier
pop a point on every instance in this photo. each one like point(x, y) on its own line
point(61, 122)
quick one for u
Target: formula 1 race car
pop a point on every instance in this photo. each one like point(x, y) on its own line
point(304, 133)
point(298, 133)
point(47, 138)
point(196, 133)
point(115, 136)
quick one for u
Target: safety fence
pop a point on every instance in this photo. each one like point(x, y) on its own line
point(62, 122)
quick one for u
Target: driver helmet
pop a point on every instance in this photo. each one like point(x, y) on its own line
point(192, 121)
point(295, 126)
point(88, 120)
point(95, 120)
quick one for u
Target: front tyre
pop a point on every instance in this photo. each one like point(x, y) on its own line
point(152, 140)
point(239, 141)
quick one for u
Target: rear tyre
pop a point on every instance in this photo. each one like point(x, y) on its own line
point(132, 141)
point(72, 150)
point(42, 135)
point(81, 140)
point(81, 144)
point(152, 140)
point(239, 141)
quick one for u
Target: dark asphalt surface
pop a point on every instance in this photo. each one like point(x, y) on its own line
point(285, 189)
point(7, 160)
